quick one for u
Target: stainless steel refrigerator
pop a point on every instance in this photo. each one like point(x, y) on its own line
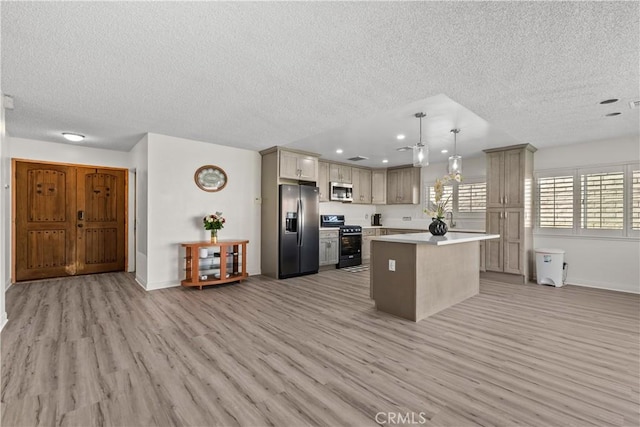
point(299, 244)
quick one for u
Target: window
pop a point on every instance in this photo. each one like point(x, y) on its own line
point(472, 197)
point(467, 198)
point(447, 191)
point(596, 201)
point(635, 200)
point(602, 201)
point(555, 206)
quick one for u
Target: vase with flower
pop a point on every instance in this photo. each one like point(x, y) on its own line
point(439, 206)
point(213, 223)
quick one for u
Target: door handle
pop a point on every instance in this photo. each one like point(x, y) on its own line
point(81, 215)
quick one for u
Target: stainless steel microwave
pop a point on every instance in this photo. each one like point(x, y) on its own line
point(341, 192)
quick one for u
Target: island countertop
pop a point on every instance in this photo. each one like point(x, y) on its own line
point(450, 238)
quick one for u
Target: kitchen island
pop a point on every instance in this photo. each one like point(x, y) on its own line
point(416, 275)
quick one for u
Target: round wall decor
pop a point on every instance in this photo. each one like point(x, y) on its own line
point(210, 178)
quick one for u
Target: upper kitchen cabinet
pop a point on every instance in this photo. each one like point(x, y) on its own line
point(323, 181)
point(298, 166)
point(403, 186)
point(506, 170)
point(361, 180)
point(340, 173)
point(379, 187)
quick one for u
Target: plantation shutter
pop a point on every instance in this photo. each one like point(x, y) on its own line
point(635, 200)
point(555, 202)
point(603, 201)
point(447, 191)
point(472, 197)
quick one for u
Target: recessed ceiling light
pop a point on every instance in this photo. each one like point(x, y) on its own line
point(385, 161)
point(339, 151)
point(74, 137)
point(400, 137)
point(613, 114)
point(445, 151)
point(609, 101)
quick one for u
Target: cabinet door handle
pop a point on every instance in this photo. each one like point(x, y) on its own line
point(505, 200)
point(505, 215)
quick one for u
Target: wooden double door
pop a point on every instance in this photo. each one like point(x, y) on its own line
point(68, 220)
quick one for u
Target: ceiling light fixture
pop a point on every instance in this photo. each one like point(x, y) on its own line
point(385, 161)
point(73, 137)
point(445, 151)
point(339, 151)
point(420, 151)
point(455, 161)
point(400, 137)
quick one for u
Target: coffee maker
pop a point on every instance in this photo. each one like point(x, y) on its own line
point(376, 219)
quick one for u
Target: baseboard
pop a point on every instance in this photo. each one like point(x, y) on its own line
point(515, 279)
point(7, 285)
point(162, 285)
point(607, 287)
point(3, 321)
point(141, 282)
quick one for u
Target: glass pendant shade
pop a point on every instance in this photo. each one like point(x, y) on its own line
point(420, 156)
point(455, 165)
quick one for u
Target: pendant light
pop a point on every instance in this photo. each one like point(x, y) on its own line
point(455, 161)
point(420, 151)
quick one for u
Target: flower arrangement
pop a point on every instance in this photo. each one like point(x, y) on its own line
point(437, 209)
point(214, 221)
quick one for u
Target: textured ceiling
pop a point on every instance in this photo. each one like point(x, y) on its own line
point(315, 74)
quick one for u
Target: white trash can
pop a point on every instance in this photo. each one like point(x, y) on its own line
point(549, 266)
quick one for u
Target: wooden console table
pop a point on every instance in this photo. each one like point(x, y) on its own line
point(197, 276)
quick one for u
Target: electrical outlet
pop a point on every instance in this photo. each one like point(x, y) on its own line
point(406, 218)
point(392, 265)
point(366, 216)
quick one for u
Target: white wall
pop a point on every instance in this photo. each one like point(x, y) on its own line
point(596, 262)
point(140, 162)
point(176, 205)
point(29, 149)
point(5, 218)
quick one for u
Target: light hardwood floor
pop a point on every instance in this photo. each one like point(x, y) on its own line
point(98, 350)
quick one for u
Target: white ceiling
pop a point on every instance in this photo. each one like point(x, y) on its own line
point(323, 75)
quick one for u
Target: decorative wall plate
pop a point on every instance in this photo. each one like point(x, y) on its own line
point(210, 178)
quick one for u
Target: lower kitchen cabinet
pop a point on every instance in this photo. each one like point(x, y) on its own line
point(367, 235)
point(329, 249)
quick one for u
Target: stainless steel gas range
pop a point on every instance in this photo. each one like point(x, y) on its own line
point(350, 237)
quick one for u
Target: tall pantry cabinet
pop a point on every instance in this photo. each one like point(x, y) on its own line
point(510, 211)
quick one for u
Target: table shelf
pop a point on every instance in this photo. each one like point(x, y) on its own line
point(233, 270)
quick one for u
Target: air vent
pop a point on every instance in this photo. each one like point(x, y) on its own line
point(357, 158)
point(634, 104)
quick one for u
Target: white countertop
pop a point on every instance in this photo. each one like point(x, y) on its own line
point(451, 238)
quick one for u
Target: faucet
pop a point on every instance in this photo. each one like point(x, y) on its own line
point(452, 224)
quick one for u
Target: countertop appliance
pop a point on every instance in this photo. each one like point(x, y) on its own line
point(376, 219)
point(331, 220)
point(341, 192)
point(350, 246)
point(299, 243)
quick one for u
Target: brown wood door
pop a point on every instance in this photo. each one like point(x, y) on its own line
point(68, 220)
point(100, 220)
point(45, 222)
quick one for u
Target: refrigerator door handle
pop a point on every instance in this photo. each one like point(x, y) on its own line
point(301, 223)
point(299, 220)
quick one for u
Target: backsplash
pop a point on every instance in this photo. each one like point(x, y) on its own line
point(394, 216)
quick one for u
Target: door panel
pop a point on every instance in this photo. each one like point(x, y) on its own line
point(514, 178)
point(100, 220)
point(44, 221)
point(513, 241)
point(495, 175)
point(494, 247)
